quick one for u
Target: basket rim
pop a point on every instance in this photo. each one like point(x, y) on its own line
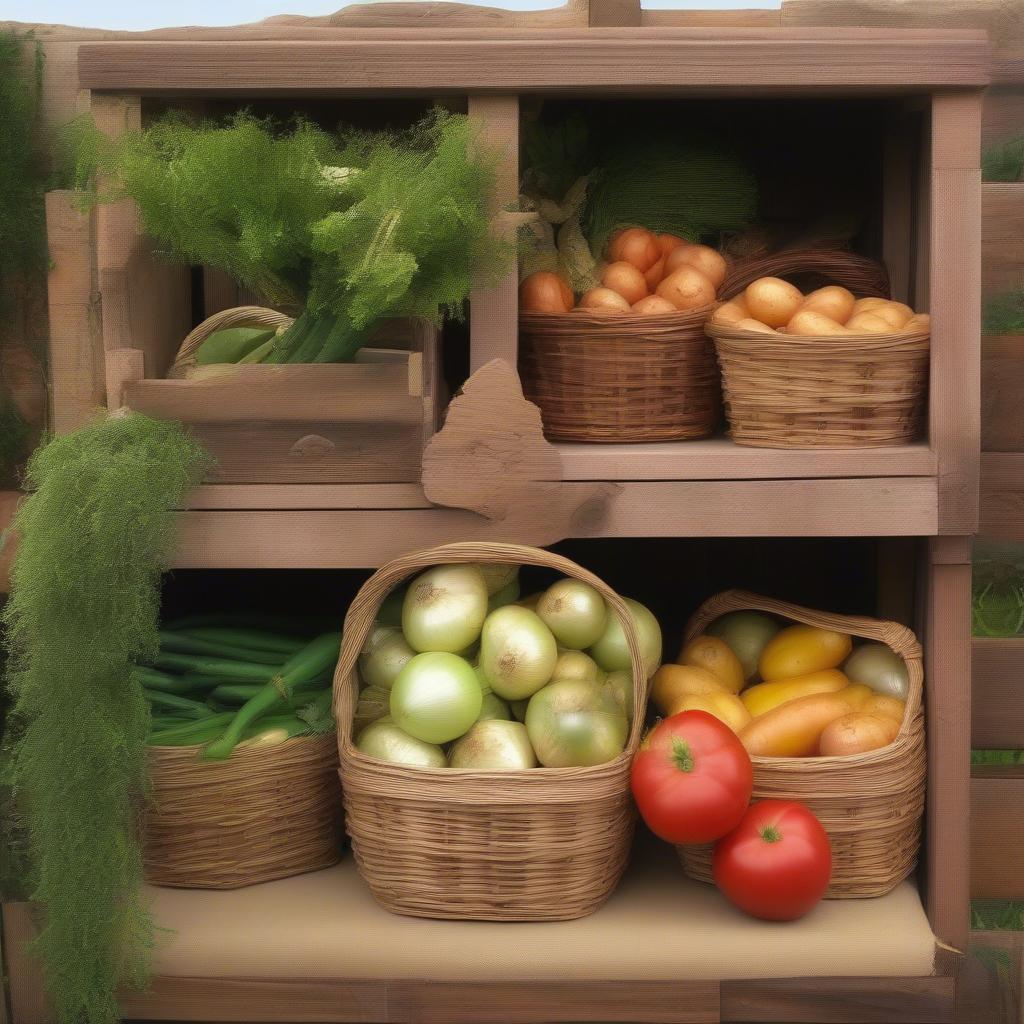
point(169, 752)
point(723, 332)
point(900, 638)
point(440, 784)
point(593, 321)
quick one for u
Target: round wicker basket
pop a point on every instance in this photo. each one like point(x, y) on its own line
point(540, 845)
point(870, 804)
point(239, 316)
point(265, 813)
point(620, 378)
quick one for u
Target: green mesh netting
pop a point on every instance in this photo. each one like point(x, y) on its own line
point(95, 534)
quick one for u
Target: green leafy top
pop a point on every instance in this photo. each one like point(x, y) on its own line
point(84, 605)
point(361, 226)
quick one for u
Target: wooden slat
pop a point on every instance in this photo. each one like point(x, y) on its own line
point(76, 342)
point(988, 985)
point(28, 1004)
point(614, 13)
point(494, 305)
point(307, 496)
point(997, 835)
point(947, 646)
point(1002, 384)
point(719, 459)
point(1004, 114)
point(8, 504)
point(839, 1001)
point(1002, 228)
point(997, 693)
point(524, 61)
point(954, 403)
point(1002, 496)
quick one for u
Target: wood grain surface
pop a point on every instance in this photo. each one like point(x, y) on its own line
point(1002, 228)
point(997, 689)
point(1002, 496)
point(997, 834)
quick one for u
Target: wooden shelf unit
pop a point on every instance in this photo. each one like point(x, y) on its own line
point(713, 488)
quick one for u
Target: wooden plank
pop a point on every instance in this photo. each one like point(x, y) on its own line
point(988, 984)
point(997, 693)
point(308, 496)
point(718, 458)
point(1002, 496)
point(1004, 114)
point(675, 17)
point(839, 1001)
point(76, 341)
point(1002, 384)
point(8, 505)
point(219, 291)
point(25, 989)
point(954, 405)
point(947, 646)
point(614, 13)
point(145, 303)
point(525, 61)
point(494, 305)
point(1002, 227)
point(997, 837)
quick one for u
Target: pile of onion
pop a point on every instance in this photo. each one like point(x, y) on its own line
point(475, 678)
point(770, 305)
point(643, 274)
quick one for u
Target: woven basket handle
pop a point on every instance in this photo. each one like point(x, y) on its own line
point(898, 637)
point(863, 276)
point(240, 316)
point(362, 614)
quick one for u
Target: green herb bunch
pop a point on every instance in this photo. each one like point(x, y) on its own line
point(95, 534)
point(346, 230)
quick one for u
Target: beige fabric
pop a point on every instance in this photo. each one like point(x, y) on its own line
point(657, 926)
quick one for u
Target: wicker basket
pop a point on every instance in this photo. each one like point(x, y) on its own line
point(870, 804)
point(610, 379)
point(820, 392)
point(240, 316)
point(265, 813)
point(538, 845)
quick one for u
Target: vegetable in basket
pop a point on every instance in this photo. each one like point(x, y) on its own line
point(345, 230)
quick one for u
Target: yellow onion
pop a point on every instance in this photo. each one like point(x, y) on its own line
point(494, 746)
point(611, 652)
point(444, 608)
point(374, 702)
point(573, 723)
point(620, 683)
point(575, 612)
point(747, 633)
point(436, 697)
point(384, 655)
point(386, 741)
point(881, 668)
point(577, 665)
point(517, 652)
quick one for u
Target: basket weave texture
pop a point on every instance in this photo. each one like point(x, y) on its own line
point(620, 378)
point(263, 814)
point(546, 844)
point(869, 804)
point(239, 316)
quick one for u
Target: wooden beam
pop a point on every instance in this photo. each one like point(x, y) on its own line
point(622, 60)
point(614, 13)
point(1002, 496)
point(997, 682)
point(25, 985)
point(954, 403)
point(1002, 227)
point(947, 646)
point(997, 833)
point(8, 505)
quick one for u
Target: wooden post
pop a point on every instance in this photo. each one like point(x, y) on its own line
point(947, 664)
point(494, 309)
point(955, 254)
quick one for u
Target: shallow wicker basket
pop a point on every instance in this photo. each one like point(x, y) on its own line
point(265, 813)
point(608, 379)
point(870, 804)
point(538, 845)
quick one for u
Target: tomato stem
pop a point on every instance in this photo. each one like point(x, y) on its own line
point(770, 834)
point(682, 755)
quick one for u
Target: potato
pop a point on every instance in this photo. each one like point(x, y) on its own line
point(882, 704)
point(832, 301)
point(794, 729)
point(715, 655)
point(672, 683)
point(806, 322)
point(869, 322)
point(895, 314)
point(731, 313)
point(726, 707)
point(750, 324)
point(857, 733)
point(870, 303)
point(772, 300)
point(708, 261)
point(687, 288)
point(918, 323)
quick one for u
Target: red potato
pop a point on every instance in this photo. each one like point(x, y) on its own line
point(604, 300)
point(653, 305)
point(624, 278)
point(634, 245)
point(545, 292)
point(707, 260)
point(669, 242)
point(654, 276)
point(687, 288)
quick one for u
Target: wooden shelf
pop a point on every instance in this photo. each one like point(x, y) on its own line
point(997, 832)
point(718, 458)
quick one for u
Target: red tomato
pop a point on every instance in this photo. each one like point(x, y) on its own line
point(692, 778)
point(776, 863)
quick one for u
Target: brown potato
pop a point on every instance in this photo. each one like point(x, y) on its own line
point(794, 729)
point(858, 733)
point(882, 704)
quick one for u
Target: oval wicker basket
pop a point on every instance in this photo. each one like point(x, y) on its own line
point(265, 813)
point(239, 316)
point(870, 804)
point(616, 379)
point(539, 845)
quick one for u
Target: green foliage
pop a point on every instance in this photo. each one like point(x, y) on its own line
point(997, 915)
point(95, 534)
point(1004, 314)
point(555, 154)
point(1003, 161)
point(22, 214)
point(998, 757)
point(14, 433)
point(356, 227)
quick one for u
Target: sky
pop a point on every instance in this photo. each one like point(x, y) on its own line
point(133, 15)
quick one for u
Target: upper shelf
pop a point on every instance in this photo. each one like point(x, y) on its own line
point(634, 59)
